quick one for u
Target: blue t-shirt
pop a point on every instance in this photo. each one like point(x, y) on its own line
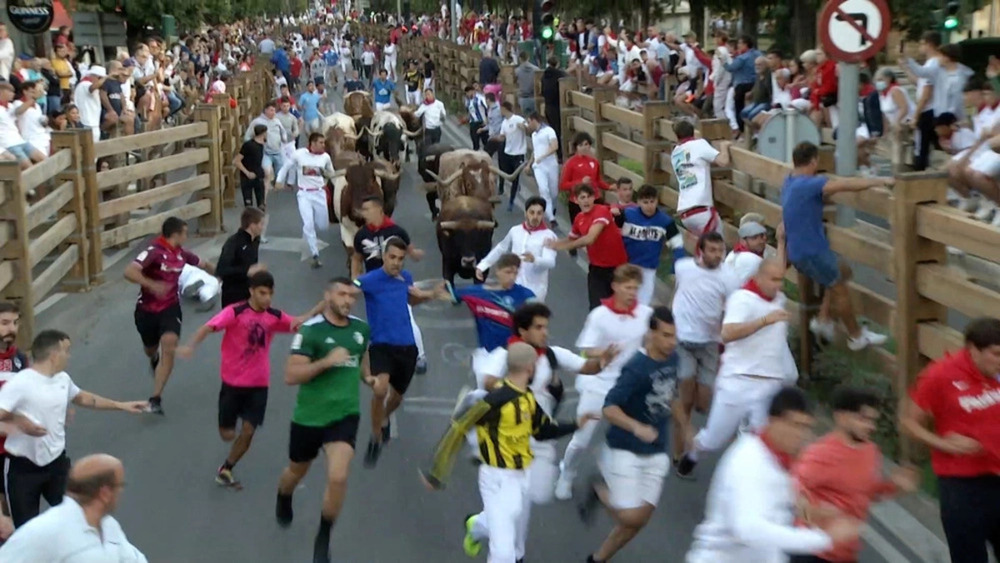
point(280, 60)
point(644, 391)
point(645, 236)
point(309, 102)
point(330, 57)
point(493, 311)
point(383, 90)
point(386, 300)
point(354, 86)
point(802, 210)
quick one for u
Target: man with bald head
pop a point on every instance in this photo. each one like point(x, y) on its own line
point(755, 365)
point(81, 528)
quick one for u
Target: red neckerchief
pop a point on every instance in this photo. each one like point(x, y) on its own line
point(683, 140)
point(752, 287)
point(784, 460)
point(867, 89)
point(9, 354)
point(162, 241)
point(386, 223)
point(610, 304)
point(429, 102)
point(541, 227)
point(317, 153)
point(4, 104)
point(985, 106)
point(86, 79)
point(516, 339)
point(740, 247)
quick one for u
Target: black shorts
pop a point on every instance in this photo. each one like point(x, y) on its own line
point(398, 361)
point(152, 326)
point(247, 403)
point(304, 442)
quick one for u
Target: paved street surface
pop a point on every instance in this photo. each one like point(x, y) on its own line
point(173, 510)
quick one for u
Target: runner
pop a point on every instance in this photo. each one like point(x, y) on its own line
point(238, 259)
point(645, 231)
point(749, 252)
point(245, 364)
point(388, 291)
point(158, 314)
point(12, 361)
point(620, 321)
point(692, 161)
point(329, 358)
point(312, 168)
point(527, 241)
point(531, 326)
point(634, 461)
point(369, 242)
point(504, 421)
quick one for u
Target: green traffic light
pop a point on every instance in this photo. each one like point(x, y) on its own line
point(951, 22)
point(547, 33)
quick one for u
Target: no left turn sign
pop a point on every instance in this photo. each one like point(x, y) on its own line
point(852, 31)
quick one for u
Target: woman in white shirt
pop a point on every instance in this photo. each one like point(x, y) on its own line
point(896, 105)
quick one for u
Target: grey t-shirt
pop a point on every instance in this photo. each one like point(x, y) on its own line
point(525, 73)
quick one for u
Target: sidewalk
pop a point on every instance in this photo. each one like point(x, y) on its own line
point(903, 530)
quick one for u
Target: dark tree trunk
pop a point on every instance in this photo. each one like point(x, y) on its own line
point(698, 20)
point(803, 26)
point(647, 8)
point(751, 16)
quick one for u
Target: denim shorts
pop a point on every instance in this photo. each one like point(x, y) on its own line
point(822, 268)
point(22, 151)
point(273, 162)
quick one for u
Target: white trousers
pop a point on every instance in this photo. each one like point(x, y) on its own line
point(210, 285)
point(736, 398)
point(648, 287)
point(413, 98)
point(547, 179)
point(592, 393)
point(417, 335)
point(312, 209)
point(382, 107)
point(507, 510)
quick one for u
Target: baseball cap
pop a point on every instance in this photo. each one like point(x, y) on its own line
point(751, 229)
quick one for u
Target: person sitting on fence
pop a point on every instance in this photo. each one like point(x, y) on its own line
point(977, 168)
point(10, 135)
point(802, 201)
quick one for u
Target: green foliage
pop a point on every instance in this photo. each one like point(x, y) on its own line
point(633, 166)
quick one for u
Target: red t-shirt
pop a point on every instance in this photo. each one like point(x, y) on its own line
point(578, 167)
point(296, 67)
point(608, 250)
point(11, 362)
point(162, 262)
point(962, 401)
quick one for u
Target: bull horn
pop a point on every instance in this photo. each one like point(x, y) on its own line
point(413, 134)
point(351, 136)
point(387, 176)
point(448, 224)
point(485, 225)
point(508, 177)
point(452, 178)
point(338, 174)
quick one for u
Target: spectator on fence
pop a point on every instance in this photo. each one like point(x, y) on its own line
point(947, 78)
point(31, 120)
point(802, 201)
point(823, 91)
point(112, 98)
point(897, 106)
point(10, 135)
point(7, 52)
point(87, 98)
point(744, 74)
point(924, 138)
point(277, 135)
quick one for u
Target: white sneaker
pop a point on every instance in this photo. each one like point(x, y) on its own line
point(986, 209)
point(564, 489)
point(953, 197)
point(865, 339)
point(967, 204)
point(823, 329)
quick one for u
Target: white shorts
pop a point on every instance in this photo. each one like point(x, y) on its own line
point(703, 221)
point(480, 361)
point(648, 287)
point(633, 480)
point(987, 162)
point(382, 107)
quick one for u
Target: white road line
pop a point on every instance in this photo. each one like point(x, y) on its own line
point(882, 546)
point(433, 411)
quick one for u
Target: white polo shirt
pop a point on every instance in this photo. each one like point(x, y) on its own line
point(496, 366)
point(43, 400)
point(63, 534)
point(433, 114)
point(763, 353)
point(540, 141)
point(605, 327)
point(515, 139)
point(692, 163)
point(699, 300)
point(89, 103)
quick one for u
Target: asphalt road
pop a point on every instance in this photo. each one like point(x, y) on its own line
point(173, 510)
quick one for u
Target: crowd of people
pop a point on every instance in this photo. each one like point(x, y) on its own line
point(720, 348)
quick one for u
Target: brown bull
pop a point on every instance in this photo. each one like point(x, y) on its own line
point(351, 186)
point(358, 105)
point(465, 235)
point(467, 173)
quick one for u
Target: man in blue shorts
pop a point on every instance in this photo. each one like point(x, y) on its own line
point(802, 200)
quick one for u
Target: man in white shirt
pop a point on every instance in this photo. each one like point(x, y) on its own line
point(513, 134)
point(755, 364)
point(31, 120)
point(622, 322)
point(312, 167)
point(35, 402)
point(433, 113)
point(544, 164)
point(748, 253)
point(10, 134)
point(7, 52)
point(81, 528)
point(87, 97)
point(692, 161)
point(749, 514)
point(701, 292)
point(527, 241)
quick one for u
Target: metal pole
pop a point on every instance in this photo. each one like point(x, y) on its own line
point(454, 21)
point(847, 142)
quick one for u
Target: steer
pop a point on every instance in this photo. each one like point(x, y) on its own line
point(351, 186)
point(465, 236)
point(428, 167)
point(415, 127)
point(343, 123)
point(358, 105)
point(386, 135)
point(467, 172)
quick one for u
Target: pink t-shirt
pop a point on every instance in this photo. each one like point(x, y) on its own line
point(246, 345)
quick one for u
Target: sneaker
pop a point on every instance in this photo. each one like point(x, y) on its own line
point(321, 554)
point(283, 510)
point(373, 453)
point(315, 262)
point(155, 406)
point(471, 546)
point(823, 329)
point(573, 253)
point(685, 467)
point(154, 362)
point(387, 432)
point(986, 210)
point(191, 291)
point(564, 488)
point(554, 224)
point(421, 367)
point(225, 478)
point(865, 339)
point(263, 240)
point(587, 508)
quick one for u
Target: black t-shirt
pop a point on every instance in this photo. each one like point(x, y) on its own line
point(113, 89)
point(370, 243)
point(413, 80)
point(253, 158)
point(429, 69)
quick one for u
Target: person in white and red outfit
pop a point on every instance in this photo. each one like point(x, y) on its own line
point(582, 168)
point(748, 253)
point(692, 161)
point(12, 361)
point(954, 409)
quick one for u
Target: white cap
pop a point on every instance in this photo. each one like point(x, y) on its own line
point(98, 71)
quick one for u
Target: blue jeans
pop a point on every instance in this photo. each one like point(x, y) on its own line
point(54, 103)
point(753, 111)
point(176, 103)
point(822, 268)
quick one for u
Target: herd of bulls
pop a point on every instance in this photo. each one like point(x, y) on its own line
point(365, 146)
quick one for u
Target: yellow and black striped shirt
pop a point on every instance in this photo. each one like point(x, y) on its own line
point(505, 421)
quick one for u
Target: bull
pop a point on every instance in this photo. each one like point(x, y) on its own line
point(339, 122)
point(464, 235)
point(386, 135)
point(469, 173)
point(351, 186)
point(428, 166)
point(358, 105)
point(415, 127)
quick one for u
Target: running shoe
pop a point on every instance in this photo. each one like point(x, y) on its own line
point(283, 510)
point(155, 406)
point(191, 291)
point(316, 264)
point(225, 478)
point(685, 467)
point(421, 366)
point(373, 453)
point(387, 432)
point(321, 555)
point(471, 546)
point(564, 488)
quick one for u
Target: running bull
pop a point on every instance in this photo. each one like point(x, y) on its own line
point(352, 185)
point(464, 172)
point(465, 235)
point(386, 135)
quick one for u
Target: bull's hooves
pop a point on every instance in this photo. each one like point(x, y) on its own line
point(496, 199)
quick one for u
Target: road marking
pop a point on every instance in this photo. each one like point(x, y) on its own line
point(882, 546)
point(295, 245)
point(432, 411)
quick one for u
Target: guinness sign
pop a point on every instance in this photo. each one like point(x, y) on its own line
point(31, 16)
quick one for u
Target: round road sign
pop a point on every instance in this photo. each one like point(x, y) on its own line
point(852, 31)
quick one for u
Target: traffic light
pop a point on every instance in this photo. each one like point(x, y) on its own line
point(545, 20)
point(951, 20)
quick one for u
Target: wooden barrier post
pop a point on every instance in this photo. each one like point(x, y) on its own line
point(652, 171)
point(16, 250)
point(92, 202)
point(567, 111)
point(910, 251)
point(602, 95)
point(212, 223)
point(79, 276)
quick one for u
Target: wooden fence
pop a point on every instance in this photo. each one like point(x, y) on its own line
point(58, 241)
point(910, 255)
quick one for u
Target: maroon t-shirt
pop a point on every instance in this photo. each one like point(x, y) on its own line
point(162, 262)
